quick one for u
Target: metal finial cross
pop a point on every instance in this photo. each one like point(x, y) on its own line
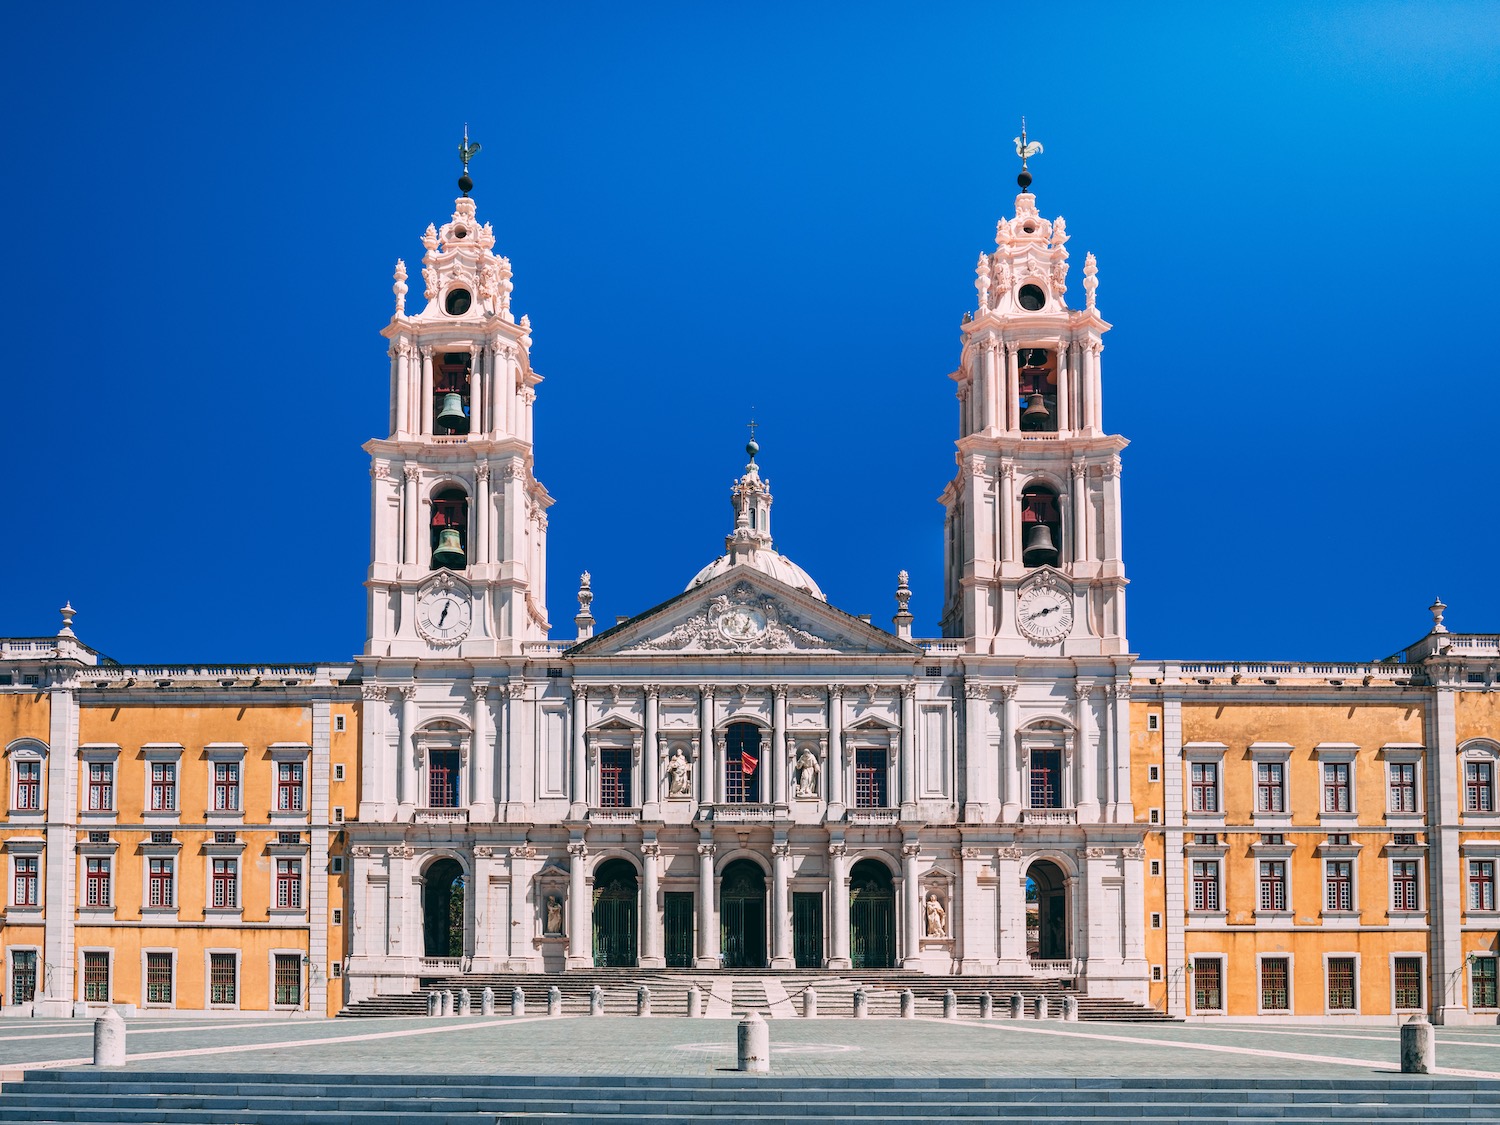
point(752, 423)
point(466, 151)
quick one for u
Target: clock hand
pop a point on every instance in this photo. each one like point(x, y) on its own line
point(444, 614)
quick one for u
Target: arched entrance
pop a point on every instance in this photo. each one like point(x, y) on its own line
point(616, 914)
point(443, 909)
point(872, 916)
point(1046, 912)
point(742, 916)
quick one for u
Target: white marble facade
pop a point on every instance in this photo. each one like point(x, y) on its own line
point(902, 792)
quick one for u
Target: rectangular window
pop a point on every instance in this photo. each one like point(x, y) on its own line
point(1341, 994)
point(1336, 787)
point(1482, 990)
point(159, 888)
point(1206, 884)
point(614, 779)
point(101, 786)
point(338, 724)
point(338, 916)
point(289, 884)
point(1046, 779)
point(1479, 787)
point(1339, 880)
point(1408, 982)
point(1273, 884)
point(226, 787)
point(96, 977)
point(1205, 787)
point(158, 978)
point(871, 778)
point(1208, 986)
point(1270, 787)
point(442, 780)
point(163, 786)
point(1404, 885)
point(288, 977)
point(96, 882)
point(226, 884)
point(25, 891)
point(1403, 787)
point(1275, 984)
point(222, 978)
point(338, 772)
point(289, 786)
point(29, 785)
point(23, 976)
point(741, 778)
point(1481, 884)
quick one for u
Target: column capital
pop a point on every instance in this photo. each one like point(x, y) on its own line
point(426, 350)
point(838, 849)
point(408, 692)
point(707, 850)
point(651, 691)
point(911, 851)
point(836, 691)
point(578, 849)
point(523, 851)
point(650, 851)
point(482, 471)
point(782, 850)
point(779, 692)
point(483, 851)
point(975, 690)
point(909, 690)
point(480, 688)
point(515, 689)
point(706, 690)
point(1008, 692)
point(411, 472)
point(373, 691)
point(381, 470)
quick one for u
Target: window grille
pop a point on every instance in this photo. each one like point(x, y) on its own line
point(1275, 991)
point(222, 978)
point(1341, 994)
point(1046, 779)
point(1208, 991)
point(1408, 982)
point(23, 976)
point(158, 978)
point(742, 764)
point(442, 779)
point(288, 976)
point(1483, 992)
point(96, 976)
point(871, 779)
point(614, 778)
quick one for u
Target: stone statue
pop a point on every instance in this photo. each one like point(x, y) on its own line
point(554, 915)
point(937, 917)
point(807, 774)
point(678, 784)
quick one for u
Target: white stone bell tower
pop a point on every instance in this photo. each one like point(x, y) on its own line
point(1032, 543)
point(459, 526)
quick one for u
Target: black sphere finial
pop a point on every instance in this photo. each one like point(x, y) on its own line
point(1024, 179)
point(465, 184)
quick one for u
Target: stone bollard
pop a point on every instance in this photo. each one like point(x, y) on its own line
point(596, 1001)
point(554, 1001)
point(449, 1007)
point(434, 1004)
point(1017, 1006)
point(517, 1001)
point(1069, 1008)
point(810, 1004)
point(643, 1001)
point(986, 1006)
point(465, 1002)
point(1041, 1007)
point(1418, 1048)
point(487, 1001)
point(109, 1039)
point(694, 1001)
point(861, 1004)
point(755, 1045)
point(950, 1005)
point(908, 1004)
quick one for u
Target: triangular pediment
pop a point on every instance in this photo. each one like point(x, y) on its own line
point(743, 611)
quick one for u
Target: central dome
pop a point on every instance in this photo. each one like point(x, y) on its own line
point(769, 562)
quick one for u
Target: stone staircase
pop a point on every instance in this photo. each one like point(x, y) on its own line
point(669, 988)
point(114, 1098)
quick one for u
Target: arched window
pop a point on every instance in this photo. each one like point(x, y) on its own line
point(1041, 526)
point(450, 393)
point(742, 763)
point(450, 529)
point(1038, 387)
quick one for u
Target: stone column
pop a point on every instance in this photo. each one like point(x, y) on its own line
point(407, 750)
point(1082, 547)
point(1064, 393)
point(908, 744)
point(986, 393)
point(580, 916)
point(1123, 809)
point(911, 906)
point(651, 936)
point(1010, 759)
point(479, 545)
point(1010, 512)
point(409, 525)
point(1012, 387)
point(706, 790)
point(650, 795)
point(781, 913)
point(1010, 905)
point(425, 406)
point(776, 759)
point(484, 950)
point(579, 778)
point(838, 903)
point(476, 389)
point(523, 911)
point(977, 784)
point(708, 929)
point(1112, 545)
point(403, 389)
point(483, 799)
point(1088, 751)
point(833, 761)
point(973, 927)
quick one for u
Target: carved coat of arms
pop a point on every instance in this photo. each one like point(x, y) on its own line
point(743, 620)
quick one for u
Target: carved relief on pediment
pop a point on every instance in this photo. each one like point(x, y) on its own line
point(743, 620)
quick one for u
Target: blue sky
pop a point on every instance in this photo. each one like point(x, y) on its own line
point(714, 209)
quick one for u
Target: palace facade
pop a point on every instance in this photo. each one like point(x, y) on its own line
point(745, 775)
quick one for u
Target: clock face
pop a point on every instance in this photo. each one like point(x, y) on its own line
point(1045, 614)
point(443, 616)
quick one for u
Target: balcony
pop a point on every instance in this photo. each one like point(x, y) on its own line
point(614, 816)
point(744, 814)
point(1049, 816)
point(1064, 968)
point(871, 817)
point(440, 816)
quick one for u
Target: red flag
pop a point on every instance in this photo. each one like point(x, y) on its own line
point(747, 763)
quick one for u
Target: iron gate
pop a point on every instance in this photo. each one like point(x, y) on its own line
point(807, 930)
point(743, 908)
point(872, 924)
point(615, 922)
point(678, 923)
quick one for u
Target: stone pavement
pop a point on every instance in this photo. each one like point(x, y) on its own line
point(612, 1045)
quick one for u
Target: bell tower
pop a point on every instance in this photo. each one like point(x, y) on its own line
point(1032, 533)
point(459, 526)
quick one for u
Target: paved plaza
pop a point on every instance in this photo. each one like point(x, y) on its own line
point(620, 1045)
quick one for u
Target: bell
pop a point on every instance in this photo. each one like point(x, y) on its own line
point(450, 549)
point(452, 414)
point(1039, 548)
point(1035, 412)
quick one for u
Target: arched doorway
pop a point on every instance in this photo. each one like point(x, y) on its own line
point(872, 916)
point(616, 914)
point(742, 915)
point(443, 909)
point(1046, 912)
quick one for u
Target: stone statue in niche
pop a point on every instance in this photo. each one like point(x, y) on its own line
point(678, 780)
point(554, 927)
point(807, 773)
point(937, 917)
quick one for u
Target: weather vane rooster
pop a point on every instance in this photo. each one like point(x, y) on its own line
point(1025, 150)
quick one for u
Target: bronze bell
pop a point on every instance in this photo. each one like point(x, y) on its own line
point(1036, 410)
point(450, 549)
point(1039, 547)
point(452, 414)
